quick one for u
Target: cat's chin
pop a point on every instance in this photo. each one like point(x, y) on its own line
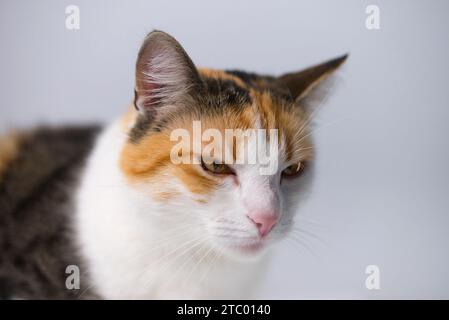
point(253, 248)
point(250, 251)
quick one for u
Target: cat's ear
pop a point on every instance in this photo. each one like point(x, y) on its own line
point(301, 84)
point(164, 73)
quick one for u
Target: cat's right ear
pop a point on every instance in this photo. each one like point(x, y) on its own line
point(164, 74)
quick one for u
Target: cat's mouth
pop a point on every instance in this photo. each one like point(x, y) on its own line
point(251, 248)
point(249, 244)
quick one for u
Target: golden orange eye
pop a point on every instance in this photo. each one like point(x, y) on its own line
point(293, 171)
point(217, 168)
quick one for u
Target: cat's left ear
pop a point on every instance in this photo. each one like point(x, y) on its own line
point(302, 83)
point(165, 74)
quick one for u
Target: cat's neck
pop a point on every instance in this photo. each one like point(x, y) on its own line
point(134, 246)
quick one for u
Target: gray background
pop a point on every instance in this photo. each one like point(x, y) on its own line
point(381, 195)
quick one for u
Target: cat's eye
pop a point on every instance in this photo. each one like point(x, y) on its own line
point(217, 168)
point(293, 171)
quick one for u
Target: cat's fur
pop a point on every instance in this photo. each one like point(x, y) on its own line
point(137, 225)
point(36, 216)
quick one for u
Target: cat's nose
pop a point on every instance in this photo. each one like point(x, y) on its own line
point(264, 222)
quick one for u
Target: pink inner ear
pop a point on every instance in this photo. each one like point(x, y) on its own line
point(150, 94)
point(145, 97)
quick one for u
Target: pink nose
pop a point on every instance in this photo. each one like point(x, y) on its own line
point(264, 222)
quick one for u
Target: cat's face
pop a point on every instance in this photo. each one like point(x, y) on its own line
point(226, 154)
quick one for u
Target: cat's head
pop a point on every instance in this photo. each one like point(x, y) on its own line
point(182, 155)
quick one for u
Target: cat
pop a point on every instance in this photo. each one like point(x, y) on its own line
point(111, 201)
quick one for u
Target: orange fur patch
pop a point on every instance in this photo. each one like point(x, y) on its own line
point(149, 159)
point(9, 148)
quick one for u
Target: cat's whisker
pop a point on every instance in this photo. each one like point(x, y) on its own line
point(308, 120)
point(200, 260)
point(212, 264)
point(164, 262)
point(220, 228)
point(311, 116)
point(293, 244)
point(309, 238)
point(169, 262)
point(302, 242)
point(228, 236)
point(186, 244)
point(225, 220)
point(84, 275)
point(186, 279)
point(173, 239)
point(189, 258)
point(192, 270)
point(186, 230)
point(322, 126)
point(310, 226)
point(301, 219)
point(308, 233)
point(299, 247)
point(302, 149)
point(89, 287)
point(145, 255)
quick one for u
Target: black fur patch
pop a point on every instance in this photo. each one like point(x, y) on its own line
point(141, 127)
point(247, 77)
point(36, 207)
point(218, 94)
point(263, 83)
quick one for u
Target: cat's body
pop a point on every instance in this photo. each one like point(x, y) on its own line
point(40, 175)
point(137, 223)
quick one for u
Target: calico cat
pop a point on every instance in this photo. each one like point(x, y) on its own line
point(112, 202)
